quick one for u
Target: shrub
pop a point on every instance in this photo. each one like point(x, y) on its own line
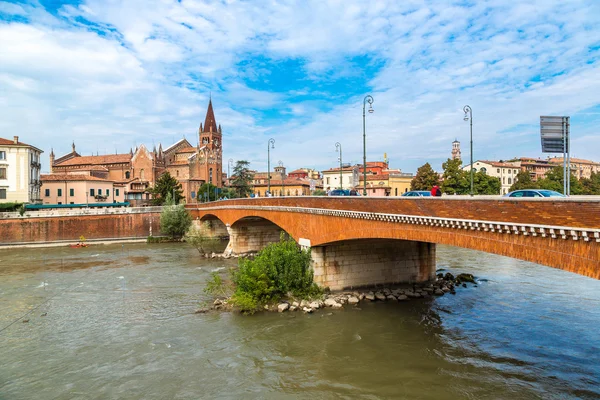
point(278, 270)
point(175, 221)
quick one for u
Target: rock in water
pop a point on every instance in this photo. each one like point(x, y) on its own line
point(465, 278)
point(402, 297)
point(438, 292)
point(283, 307)
point(330, 302)
point(307, 310)
point(217, 302)
point(380, 296)
point(353, 300)
point(337, 305)
point(315, 305)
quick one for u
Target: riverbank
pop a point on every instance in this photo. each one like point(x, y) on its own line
point(63, 243)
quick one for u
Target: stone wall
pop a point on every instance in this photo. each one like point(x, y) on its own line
point(113, 226)
point(356, 263)
point(211, 227)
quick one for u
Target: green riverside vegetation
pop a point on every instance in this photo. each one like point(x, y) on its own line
point(278, 271)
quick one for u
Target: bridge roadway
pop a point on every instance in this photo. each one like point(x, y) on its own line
point(360, 241)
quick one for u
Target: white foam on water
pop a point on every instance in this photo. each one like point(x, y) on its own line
point(218, 269)
point(94, 255)
point(121, 277)
point(42, 284)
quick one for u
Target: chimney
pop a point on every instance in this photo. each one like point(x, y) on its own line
point(16, 139)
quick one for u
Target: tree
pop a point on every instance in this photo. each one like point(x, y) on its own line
point(455, 180)
point(425, 179)
point(174, 219)
point(554, 181)
point(591, 185)
point(242, 178)
point(485, 184)
point(319, 192)
point(208, 192)
point(228, 193)
point(166, 185)
point(523, 181)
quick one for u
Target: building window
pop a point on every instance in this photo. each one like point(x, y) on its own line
point(2, 155)
point(483, 169)
point(2, 173)
point(71, 203)
point(127, 174)
point(177, 173)
point(107, 192)
point(396, 192)
point(503, 180)
point(47, 192)
point(210, 175)
point(142, 174)
point(3, 194)
point(59, 192)
point(515, 171)
point(509, 181)
point(117, 192)
point(328, 180)
point(92, 192)
point(498, 170)
point(510, 171)
point(60, 202)
point(71, 192)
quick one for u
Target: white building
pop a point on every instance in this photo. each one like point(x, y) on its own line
point(349, 177)
point(19, 172)
point(506, 172)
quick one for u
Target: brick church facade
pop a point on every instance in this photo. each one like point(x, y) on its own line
point(134, 173)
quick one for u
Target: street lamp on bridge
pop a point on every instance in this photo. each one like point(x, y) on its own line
point(368, 99)
point(338, 147)
point(229, 164)
point(270, 145)
point(469, 117)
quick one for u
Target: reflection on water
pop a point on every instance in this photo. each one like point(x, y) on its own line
point(120, 324)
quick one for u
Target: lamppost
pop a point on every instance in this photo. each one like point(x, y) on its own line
point(229, 164)
point(368, 99)
point(469, 117)
point(270, 145)
point(338, 147)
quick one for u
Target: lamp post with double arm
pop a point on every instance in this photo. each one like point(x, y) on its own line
point(368, 99)
point(338, 147)
point(270, 145)
point(469, 117)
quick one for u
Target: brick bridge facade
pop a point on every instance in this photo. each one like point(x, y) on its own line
point(368, 241)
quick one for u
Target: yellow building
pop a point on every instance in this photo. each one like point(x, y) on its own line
point(399, 183)
point(289, 187)
point(19, 172)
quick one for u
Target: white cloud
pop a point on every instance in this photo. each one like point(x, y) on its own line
point(127, 72)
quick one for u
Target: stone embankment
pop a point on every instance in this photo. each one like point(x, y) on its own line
point(443, 284)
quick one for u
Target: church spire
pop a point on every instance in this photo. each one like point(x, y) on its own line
point(210, 125)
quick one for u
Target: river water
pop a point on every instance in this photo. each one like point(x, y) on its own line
point(118, 322)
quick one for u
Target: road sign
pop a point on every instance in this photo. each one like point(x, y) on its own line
point(553, 131)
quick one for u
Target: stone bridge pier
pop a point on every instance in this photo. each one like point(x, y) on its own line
point(370, 262)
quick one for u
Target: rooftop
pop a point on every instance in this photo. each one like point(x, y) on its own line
point(95, 160)
point(70, 178)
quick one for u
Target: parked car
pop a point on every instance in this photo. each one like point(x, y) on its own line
point(343, 192)
point(534, 193)
point(417, 193)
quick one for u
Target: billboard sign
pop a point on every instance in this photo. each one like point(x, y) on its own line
point(553, 131)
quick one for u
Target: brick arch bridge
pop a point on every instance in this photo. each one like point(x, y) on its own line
point(365, 241)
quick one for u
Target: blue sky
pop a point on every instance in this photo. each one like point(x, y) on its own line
point(111, 75)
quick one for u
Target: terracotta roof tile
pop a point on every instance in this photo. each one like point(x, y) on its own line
point(188, 150)
point(96, 160)
point(70, 178)
point(7, 142)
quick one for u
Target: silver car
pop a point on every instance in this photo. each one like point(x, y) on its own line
point(534, 193)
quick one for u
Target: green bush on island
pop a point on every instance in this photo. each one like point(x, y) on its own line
point(279, 270)
point(174, 219)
